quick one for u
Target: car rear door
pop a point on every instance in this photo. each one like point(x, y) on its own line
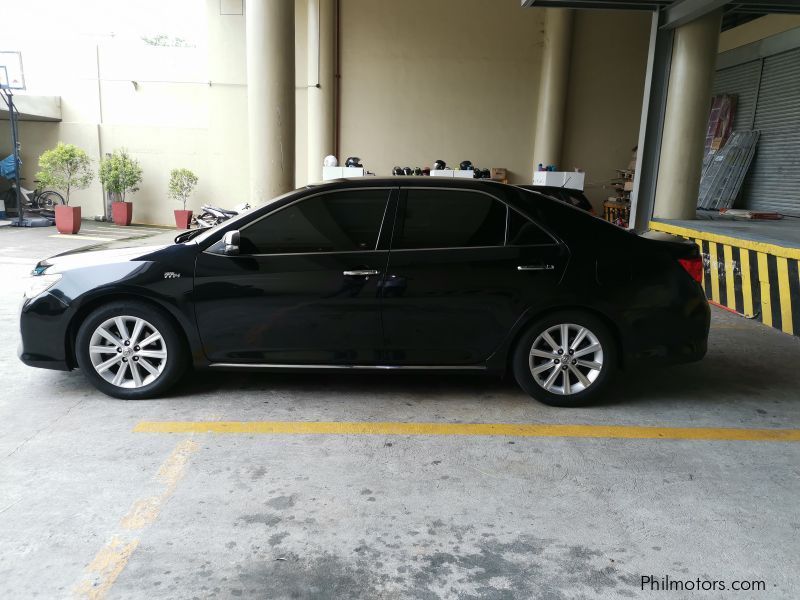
point(463, 268)
point(304, 287)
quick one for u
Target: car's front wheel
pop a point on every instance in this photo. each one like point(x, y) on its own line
point(565, 359)
point(130, 350)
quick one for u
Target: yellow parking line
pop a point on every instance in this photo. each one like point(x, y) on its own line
point(473, 429)
point(101, 573)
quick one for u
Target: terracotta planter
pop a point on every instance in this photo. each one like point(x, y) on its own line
point(183, 218)
point(122, 213)
point(68, 218)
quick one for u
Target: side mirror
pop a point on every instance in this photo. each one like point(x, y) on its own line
point(231, 241)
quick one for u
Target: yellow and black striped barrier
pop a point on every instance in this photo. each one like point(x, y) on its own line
point(755, 279)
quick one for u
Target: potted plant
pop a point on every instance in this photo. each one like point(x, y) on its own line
point(66, 167)
point(181, 184)
point(121, 175)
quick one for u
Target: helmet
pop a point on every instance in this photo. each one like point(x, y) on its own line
point(476, 173)
point(439, 165)
point(407, 171)
point(426, 171)
point(465, 165)
point(353, 161)
point(417, 171)
point(330, 161)
point(397, 171)
point(486, 174)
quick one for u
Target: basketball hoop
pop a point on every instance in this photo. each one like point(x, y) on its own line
point(12, 77)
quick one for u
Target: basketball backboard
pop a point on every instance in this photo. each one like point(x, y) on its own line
point(11, 74)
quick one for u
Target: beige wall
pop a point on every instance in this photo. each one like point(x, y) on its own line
point(454, 79)
point(458, 80)
point(187, 109)
point(604, 106)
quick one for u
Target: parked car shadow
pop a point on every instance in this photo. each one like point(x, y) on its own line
point(722, 377)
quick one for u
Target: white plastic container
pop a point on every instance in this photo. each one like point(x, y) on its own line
point(568, 179)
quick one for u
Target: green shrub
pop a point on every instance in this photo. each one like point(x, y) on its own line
point(181, 185)
point(65, 167)
point(120, 173)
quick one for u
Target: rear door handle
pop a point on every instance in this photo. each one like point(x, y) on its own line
point(536, 267)
point(361, 273)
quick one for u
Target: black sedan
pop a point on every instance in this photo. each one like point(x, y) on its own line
point(428, 273)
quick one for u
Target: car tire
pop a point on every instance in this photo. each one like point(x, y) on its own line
point(539, 366)
point(152, 360)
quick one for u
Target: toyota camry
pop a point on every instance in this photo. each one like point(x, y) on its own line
point(369, 274)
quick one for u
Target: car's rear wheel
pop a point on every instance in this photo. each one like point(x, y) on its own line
point(130, 350)
point(565, 359)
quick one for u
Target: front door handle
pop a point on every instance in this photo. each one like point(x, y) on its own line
point(361, 273)
point(536, 268)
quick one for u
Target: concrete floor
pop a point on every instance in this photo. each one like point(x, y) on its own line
point(91, 509)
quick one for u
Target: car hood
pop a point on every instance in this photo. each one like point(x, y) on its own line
point(131, 249)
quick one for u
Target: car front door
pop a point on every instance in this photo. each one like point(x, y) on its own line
point(463, 268)
point(303, 288)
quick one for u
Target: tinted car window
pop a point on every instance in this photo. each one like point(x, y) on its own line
point(335, 222)
point(523, 232)
point(451, 219)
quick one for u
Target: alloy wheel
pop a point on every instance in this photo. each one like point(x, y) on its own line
point(128, 352)
point(566, 359)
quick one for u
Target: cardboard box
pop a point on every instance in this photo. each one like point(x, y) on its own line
point(567, 179)
point(442, 173)
point(498, 173)
point(467, 174)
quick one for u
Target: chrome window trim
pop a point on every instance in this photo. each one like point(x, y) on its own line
point(509, 208)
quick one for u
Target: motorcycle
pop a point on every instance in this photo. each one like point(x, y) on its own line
point(214, 215)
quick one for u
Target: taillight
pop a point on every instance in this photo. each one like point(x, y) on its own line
point(694, 267)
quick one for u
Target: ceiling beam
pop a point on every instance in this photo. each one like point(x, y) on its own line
point(681, 12)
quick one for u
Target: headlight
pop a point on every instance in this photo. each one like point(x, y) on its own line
point(38, 284)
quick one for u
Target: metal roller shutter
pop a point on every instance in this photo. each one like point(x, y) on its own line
point(773, 182)
point(740, 81)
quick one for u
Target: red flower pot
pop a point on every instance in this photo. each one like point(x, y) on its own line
point(68, 218)
point(183, 218)
point(122, 212)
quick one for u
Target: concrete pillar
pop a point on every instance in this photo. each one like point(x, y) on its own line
point(694, 55)
point(270, 97)
point(553, 86)
point(321, 110)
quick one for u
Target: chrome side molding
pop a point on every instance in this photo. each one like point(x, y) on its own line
point(350, 367)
